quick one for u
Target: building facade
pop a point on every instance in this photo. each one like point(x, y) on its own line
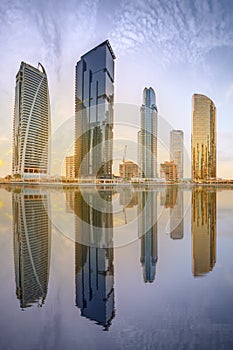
point(168, 171)
point(203, 138)
point(70, 170)
point(147, 136)
point(177, 150)
point(128, 169)
point(94, 97)
point(31, 125)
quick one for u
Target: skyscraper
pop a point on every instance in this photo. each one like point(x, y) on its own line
point(177, 150)
point(203, 230)
point(31, 126)
point(32, 245)
point(94, 97)
point(147, 136)
point(203, 138)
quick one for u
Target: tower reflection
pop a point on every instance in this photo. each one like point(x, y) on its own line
point(94, 256)
point(147, 224)
point(174, 200)
point(203, 230)
point(32, 245)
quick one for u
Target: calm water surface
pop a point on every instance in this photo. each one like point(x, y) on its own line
point(117, 268)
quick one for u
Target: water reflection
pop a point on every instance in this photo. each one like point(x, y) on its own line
point(203, 230)
point(147, 226)
point(94, 271)
point(32, 245)
point(174, 199)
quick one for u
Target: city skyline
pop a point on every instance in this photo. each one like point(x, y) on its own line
point(196, 61)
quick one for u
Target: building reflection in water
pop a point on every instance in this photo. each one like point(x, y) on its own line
point(147, 225)
point(32, 245)
point(94, 260)
point(203, 230)
point(174, 200)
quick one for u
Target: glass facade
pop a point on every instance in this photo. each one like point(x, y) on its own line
point(94, 268)
point(94, 97)
point(147, 136)
point(177, 150)
point(203, 138)
point(31, 128)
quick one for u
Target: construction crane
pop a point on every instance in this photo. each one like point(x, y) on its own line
point(124, 155)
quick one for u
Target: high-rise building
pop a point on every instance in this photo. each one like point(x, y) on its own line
point(177, 150)
point(70, 171)
point(203, 138)
point(147, 136)
point(94, 97)
point(203, 230)
point(94, 256)
point(32, 245)
point(31, 126)
point(147, 224)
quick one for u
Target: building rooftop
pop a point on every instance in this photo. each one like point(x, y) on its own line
point(106, 42)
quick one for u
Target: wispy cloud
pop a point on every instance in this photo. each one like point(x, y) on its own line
point(178, 30)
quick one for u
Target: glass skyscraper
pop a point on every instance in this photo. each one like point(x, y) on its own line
point(177, 150)
point(94, 97)
point(203, 138)
point(31, 126)
point(147, 136)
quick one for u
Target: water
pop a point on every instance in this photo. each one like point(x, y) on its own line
point(117, 268)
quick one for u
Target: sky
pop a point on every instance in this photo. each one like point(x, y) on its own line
point(177, 47)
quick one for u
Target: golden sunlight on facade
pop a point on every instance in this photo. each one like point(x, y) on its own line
point(203, 138)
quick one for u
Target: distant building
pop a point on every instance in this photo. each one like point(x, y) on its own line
point(147, 136)
point(70, 169)
point(168, 171)
point(94, 98)
point(177, 150)
point(31, 126)
point(128, 170)
point(203, 138)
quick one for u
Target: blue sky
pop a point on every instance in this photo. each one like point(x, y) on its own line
point(177, 47)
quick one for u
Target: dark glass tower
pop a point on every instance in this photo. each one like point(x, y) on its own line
point(94, 97)
point(94, 268)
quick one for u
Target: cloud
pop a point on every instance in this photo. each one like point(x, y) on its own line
point(177, 31)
